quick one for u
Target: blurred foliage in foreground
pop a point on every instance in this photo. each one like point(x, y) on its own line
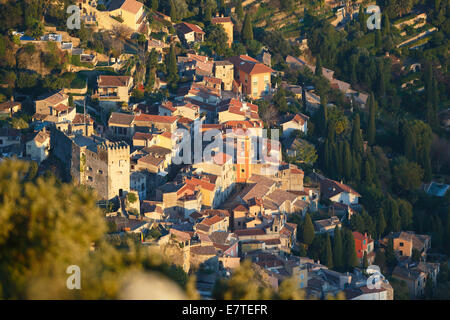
point(46, 226)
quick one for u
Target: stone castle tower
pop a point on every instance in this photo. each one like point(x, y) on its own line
point(106, 168)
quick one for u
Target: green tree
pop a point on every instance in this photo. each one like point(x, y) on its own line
point(338, 249)
point(318, 70)
point(307, 230)
point(239, 10)
point(365, 261)
point(371, 130)
point(323, 115)
point(247, 29)
point(378, 43)
point(347, 162)
point(351, 260)
point(357, 142)
point(329, 253)
point(381, 223)
point(172, 67)
point(386, 25)
point(406, 175)
point(406, 213)
point(391, 259)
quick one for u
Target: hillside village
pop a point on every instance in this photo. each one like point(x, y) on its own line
point(354, 173)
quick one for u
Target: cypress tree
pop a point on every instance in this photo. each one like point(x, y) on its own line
point(323, 114)
point(339, 158)
point(173, 11)
point(239, 10)
point(207, 14)
point(347, 162)
point(318, 70)
point(356, 168)
point(172, 64)
point(351, 259)
point(381, 223)
point(247, 29)
point(381, 79)
point(357, 142)
point(307, 230)
point(386, 25)
point(378, 44)
point(334, 161)
point(431, 115)
point(331, 132)
point(327, 156)
point(371, 130)
point(337, 249)
point(394, 221)
point(365, 261)
point(222, 6)
point(362, 19)
point(426, 165)
point(409, 144)
point(367, 173)
point(329, 253)
point(391, 260)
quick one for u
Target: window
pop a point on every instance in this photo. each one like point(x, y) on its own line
point(302, 276)
point(90, 178)
point(99, 171)
point(401, 244)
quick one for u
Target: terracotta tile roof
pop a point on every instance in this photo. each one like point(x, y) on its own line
point(132, 6)
point(142, 136)
point(212, 220)
point(203, 250)
point(240, 208)
point(81, 119)
point(121, 119)
point(113, 81)
point(249, 65)
point(169, 106)
point(181, 235)
point(219, 237)
point(272, 242)
point(204, 237)
point(41, 137)
point(155, 118)
point(279, 196)
point(202, 183)
point(5, 106)
point(186, 27)
point(213, 80)
point(151, 159)
point(330, 188)
point(157, 150)
point(55, 98)
point(250, 232)
point(300, 118)
point(61, 107)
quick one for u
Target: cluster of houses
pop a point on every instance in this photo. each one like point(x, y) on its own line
point(217, 210)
